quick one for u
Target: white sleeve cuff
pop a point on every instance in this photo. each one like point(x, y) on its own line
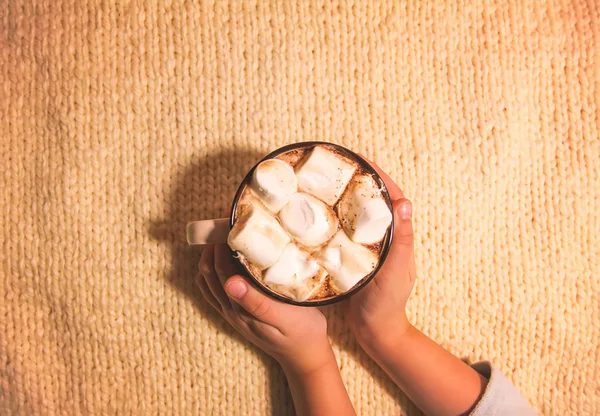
point(500, 396)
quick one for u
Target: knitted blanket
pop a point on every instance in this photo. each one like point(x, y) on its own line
point(120, 121)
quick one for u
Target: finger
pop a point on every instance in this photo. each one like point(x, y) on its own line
point(210, 298)
point(225, 268)
point(401, 254)
point(207, 268)
point(393, 189)
point(403, 230)
point(256, 303)
point(224, 265)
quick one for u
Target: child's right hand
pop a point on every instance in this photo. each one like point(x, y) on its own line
point(377, 312)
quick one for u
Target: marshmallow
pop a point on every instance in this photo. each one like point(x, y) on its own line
point(294, 274)
point(324, 174)
point(308, 219)
point(274, 182)
point(257, 236)
point(366, 216)
point(346, 262)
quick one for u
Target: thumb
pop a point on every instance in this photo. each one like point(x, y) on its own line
point(403, 232)
point(254, 301)
point(401, 256)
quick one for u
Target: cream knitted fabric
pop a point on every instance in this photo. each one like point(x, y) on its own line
point(122, 120)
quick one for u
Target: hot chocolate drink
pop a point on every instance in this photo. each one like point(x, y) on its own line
point(310, 223)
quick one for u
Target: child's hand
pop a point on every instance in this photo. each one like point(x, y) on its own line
point(436, 381)
point(294, 336)
point(377, 312)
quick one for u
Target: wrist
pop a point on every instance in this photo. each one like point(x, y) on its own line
point(384, 333)
point(397, 345)
point(319, 389)
point(305, 373)
point(312, 360)
point(402, 335)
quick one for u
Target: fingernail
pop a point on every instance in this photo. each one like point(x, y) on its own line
point(406, 210)
point(236, 289)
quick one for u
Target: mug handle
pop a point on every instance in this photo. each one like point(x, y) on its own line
point(207, 232)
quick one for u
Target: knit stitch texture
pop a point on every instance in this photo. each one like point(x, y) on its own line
point(122, 120)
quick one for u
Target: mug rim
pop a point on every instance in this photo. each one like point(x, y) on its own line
point(387, 239)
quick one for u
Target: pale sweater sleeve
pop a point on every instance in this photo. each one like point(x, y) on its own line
point(500, 396)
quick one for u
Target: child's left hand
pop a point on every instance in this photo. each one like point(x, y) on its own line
point(293, 335)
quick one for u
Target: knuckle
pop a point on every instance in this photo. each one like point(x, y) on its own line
point(321, 324)
point(229, 316)
point(205, 269)
point(261, 308)
point(245, 319)
point(220, 270)
point(405, 240)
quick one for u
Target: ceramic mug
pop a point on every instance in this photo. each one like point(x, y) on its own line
point(215, 231)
